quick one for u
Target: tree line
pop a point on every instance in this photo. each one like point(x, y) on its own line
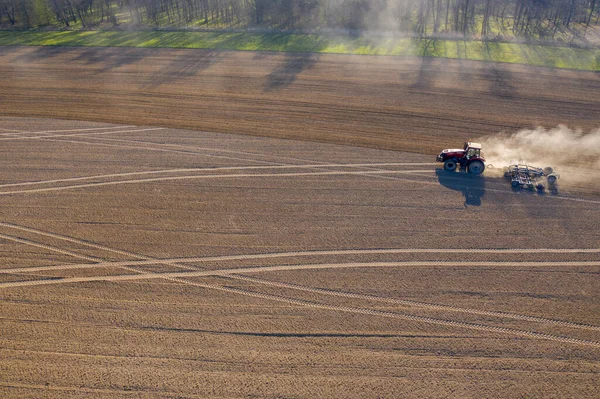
point(486, 18)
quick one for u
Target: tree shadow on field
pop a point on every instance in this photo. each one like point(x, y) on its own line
point(499, 76)
point(424, 78)
point(6, 50)
point(111, 57)
point(45, 52)
point(184, 66)
point(471, 186)
point(500, 82)
point(107, 57)
point(286, 73)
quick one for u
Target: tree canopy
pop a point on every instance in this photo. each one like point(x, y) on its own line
point(541, 19)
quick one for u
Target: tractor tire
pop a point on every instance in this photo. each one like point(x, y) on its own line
point(450, 165)
point(476, 167)
point(552, 179)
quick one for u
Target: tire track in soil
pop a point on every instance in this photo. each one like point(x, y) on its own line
point(395, 315)
point(212, 155)
point(582, 200)
point(230, 176)
point(66, 252)
point(174, 261)
point(424, 305)
point(311, 266)
point(216, 169)
point(49, 247)
point(21, 137)
point(280, 157)
point(264, 282)
point(187, 151)
point(79, 390)
point(258, 269)
point(155, 149)
point(143, 274)
point(74, 130)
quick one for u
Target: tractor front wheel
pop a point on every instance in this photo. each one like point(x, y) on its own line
point(450, 165)
point(476, 167)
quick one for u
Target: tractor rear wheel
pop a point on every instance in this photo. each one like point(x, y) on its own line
point(450, 165)
point(476, 167)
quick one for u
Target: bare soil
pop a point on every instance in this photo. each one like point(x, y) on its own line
point(408, 104)
point(167, 263)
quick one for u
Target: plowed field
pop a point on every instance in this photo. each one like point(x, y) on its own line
point(140, 260)
point(407, 104)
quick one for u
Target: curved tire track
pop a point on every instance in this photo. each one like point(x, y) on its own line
point(215, 169)
point(173, 261)
point(259, 269)
point(144, 274)
point(21, 137)
point(424, 305)
point(49, 247)
point(331, 292)
point(395, 315)
point(231, 176)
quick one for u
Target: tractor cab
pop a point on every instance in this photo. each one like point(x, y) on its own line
point(472, 150)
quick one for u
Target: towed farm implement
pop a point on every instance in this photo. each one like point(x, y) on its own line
point(531, 177)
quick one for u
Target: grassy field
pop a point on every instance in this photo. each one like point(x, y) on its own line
point(551, 56)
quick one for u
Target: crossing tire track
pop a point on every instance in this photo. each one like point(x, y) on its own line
point(65, 252)
point(424, 305)
point(173, 261)
point(193, 177)
point(260, 269)
point(395, 315)
point(21, 137)
point(49, 247)
point(280, 157)
point(332, 292)
point(175, 278)
point(215, 169)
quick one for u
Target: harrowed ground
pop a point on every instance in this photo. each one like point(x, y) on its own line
point(144, 260)
point(400, 103)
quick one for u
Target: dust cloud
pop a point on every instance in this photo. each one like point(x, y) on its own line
point(573, 154)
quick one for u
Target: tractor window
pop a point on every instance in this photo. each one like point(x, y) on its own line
point(473, 152)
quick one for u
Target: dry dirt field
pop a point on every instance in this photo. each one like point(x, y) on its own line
point(407, 104)
point(143, 261)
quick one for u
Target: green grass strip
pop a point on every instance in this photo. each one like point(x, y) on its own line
point(551, 56)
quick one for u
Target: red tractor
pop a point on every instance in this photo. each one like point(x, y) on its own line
point(469, 158)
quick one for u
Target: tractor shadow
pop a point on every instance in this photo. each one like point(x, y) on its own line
point(471, 186)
